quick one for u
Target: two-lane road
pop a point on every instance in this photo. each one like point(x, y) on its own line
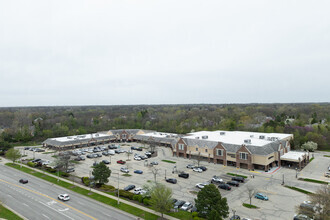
point(38, 200)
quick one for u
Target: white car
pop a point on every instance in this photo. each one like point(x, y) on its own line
point(186, 206)
point(201, 185)
point(137, 158)
point(64, 197)
point(139, 191)
point(111, 152)
point(124, 170)
point(199, 170)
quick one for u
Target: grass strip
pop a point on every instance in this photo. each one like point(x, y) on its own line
point(310, 160)
point(168, 161)
point(50, 152)
point(313, 181)
point(234, 174)
point(106, 200)
point(7, 214)
point(250, 206)
point(299, 190)
point(326, 155)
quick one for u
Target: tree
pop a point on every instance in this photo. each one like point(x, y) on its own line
point(321, 201)
point(310, 146)
point(101, 173)
point(62, 162)
point(155, 172)
point(13, 154)
point(251, 191)
point(210, 204)
point(161, 198)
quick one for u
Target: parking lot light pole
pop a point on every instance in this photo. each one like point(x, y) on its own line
point(296, 172)
point(283, 179)
point(90, 181)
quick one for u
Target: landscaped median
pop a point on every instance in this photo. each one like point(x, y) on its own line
point(250, 206)
point(104, 199)
point(298, 189)
point(7, 214)
point(314, 181)
point(233, 174)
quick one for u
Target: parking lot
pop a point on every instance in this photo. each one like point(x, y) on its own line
point(281, 204)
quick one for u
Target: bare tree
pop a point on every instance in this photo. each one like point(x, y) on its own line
point(251, 191)
point(155, 171)
point(198, 159)
point(128, 153)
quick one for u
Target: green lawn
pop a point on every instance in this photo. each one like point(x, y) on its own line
point(250, 206)
point(7, 214)
point(109, 201)
point(326, 155)
point(233, 174)
point(310, 160)
point(168, 161)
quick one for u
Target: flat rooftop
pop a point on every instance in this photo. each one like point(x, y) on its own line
point(79, 137)
point(238, 137)
point(293, 156)
point(160, 135)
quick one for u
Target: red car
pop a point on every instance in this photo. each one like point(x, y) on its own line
point(121, 162)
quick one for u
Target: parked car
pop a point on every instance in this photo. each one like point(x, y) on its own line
point(203, 168)
point(193, 209)
point(148, 154)
point(196, 169)
point(129, 187)
point(327, 174)
point(171, 180)
point(233, 183)
point(143, 157)
point(81, 157)
point(138, 171)
point(186, 206)
point(24, 181)
point(90, 156)
point(137, 158)
point(105, 161)
point(99, 155)
point(201, 185)
point(70, 170)
point(36, 160)
point(184, 175)
point(138, 148)
point(190, 166)
point(26, 148)
point(238, 179)
point(178, 204)
point(124, 170)
point(139, 191)
point(216, 179)
point(301, 217)
point(105, 153)
point(121, 162)
point(64, 197)
point(261, 196)
point(224, 186)
point(111, 152)
point(154, 163)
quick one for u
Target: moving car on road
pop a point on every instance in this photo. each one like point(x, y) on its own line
point(64, 197)
point(24, 181)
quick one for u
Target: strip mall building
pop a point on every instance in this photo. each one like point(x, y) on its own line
point(250, 150)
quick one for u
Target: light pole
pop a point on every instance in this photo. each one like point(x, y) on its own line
point(296, 172)
point(283, 179)
point(90, 181)
point(234, 212)
point(117, 187)
point(165, 174)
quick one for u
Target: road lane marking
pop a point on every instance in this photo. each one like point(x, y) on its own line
point(45, 216)
point(41, 194)
point(56, 210)
point(9, 195)
point(26, 205)
point(63, 210)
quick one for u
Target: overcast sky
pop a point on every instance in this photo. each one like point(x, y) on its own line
point(163, 52)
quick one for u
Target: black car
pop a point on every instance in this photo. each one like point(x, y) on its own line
point(26, 148)
point(36, 160)
point(90, 156)
point(233, 183)
point(129, 187)
point(138, 149)
point(105, 161)
point(70, 170)
point(235, 217)
point(203, 168)
point(238, 179)
point(224, 186)
point(24, 181)
point(184, 175)
point(178, 204)
point(171, 180)
point(133, 148)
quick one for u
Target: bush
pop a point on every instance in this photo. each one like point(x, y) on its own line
point(194, 214)
point(136, 197)
point(51, 170)
point(140, 199)
point(31, 164)
point(146, 201)
point(125, 194)
point(85, 180)
point(107, 188)
point(65, 174)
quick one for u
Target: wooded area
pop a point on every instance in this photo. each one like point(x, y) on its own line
point(308, 122)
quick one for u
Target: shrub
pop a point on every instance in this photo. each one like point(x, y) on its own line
point(65, 174)
point(140, 199)
point(136, 197)
point(194, 214)
point(85, 180)
point(146, 201)
point(51, 170)
point(107, 188)
point(125, 194)
point(31, 164)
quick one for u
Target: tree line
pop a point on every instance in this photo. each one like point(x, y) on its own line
point(307, 121)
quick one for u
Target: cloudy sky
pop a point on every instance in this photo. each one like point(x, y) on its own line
point(163, 52)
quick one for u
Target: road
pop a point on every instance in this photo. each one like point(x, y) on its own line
point(38, 200)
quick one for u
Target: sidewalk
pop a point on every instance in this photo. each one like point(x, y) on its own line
point(3, 161)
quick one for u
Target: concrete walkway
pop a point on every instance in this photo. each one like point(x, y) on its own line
point(3, 161)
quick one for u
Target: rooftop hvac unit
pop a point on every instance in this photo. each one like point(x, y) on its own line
point(96, 135)
point(168, 136)
point(205, 137)
point(69, 137)
point(251, 136)
point(262, 137)
point(196, 137)
point(222, 133)
point(247, 141)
